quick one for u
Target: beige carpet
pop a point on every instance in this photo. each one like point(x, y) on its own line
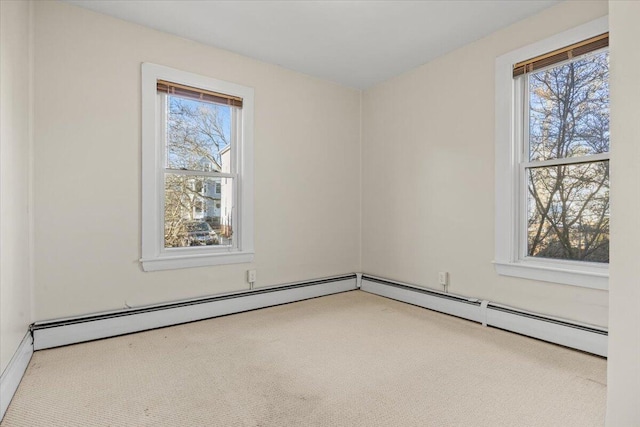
point(352, 359)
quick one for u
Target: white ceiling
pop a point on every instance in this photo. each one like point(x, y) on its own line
point(354, 43)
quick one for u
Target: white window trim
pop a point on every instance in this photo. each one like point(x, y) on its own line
point(154, 257)
point(508, 261)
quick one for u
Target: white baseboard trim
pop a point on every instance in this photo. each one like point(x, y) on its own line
point(87, 328)
point(589, 338)
point(13, 373)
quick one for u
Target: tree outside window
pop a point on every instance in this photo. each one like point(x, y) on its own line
point(197, 135)
point(566, 168)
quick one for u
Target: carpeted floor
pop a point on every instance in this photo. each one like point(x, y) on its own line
point(352, 359)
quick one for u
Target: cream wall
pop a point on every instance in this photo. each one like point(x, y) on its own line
point(15, 288)
point(623, 383)
point(87, 167)
point(428, 174)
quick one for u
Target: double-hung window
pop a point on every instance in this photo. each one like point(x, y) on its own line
point(552, 159)
point(197, 206)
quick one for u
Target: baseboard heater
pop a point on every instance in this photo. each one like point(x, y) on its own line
point(583, 337)
point(13, 373)
point(87, 328)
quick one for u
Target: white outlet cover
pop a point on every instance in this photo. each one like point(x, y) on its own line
point(443, 277)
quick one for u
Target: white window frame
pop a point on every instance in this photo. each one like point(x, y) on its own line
point(509, 211)
point(154, 255)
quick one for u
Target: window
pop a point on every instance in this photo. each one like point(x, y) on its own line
point(197, 198)
point(552, 159)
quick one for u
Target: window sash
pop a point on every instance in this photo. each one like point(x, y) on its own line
point(521, 129)
point(235, 137)
point(235, 241)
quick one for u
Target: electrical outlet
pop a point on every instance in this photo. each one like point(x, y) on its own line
point(443, 278)
point(251, 276)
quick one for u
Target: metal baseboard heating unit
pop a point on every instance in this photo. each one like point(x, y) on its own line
point(87, 328)
point(467, 308)
point(583, 337)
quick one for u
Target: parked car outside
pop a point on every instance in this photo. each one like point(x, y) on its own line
point(200, 233)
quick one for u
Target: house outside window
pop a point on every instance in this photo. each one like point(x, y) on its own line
point(197, 170)
point(552, 159)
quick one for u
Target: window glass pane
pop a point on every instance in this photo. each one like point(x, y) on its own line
point(569, 109)
point(568, 212)
point(198, 134)
point(197, 211)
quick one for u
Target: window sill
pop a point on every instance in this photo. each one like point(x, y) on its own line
point(174, 262)
point(594, 277)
